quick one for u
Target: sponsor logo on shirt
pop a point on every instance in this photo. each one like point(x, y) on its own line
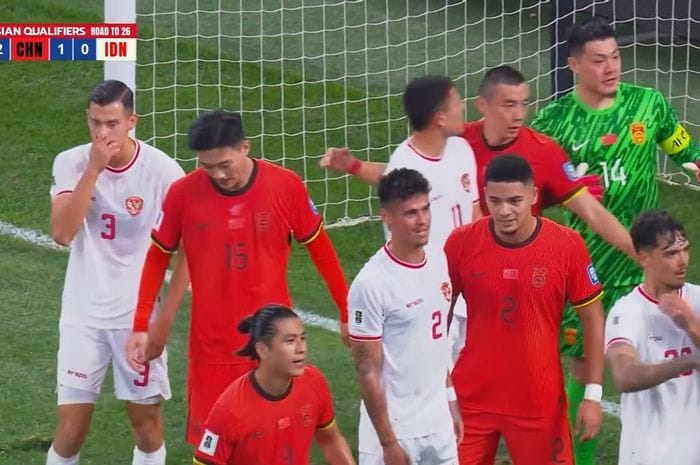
point(358, 316)
point(414, 303)
point(637, 131)
point(283, 423)
point(510, 273)
point(312, 206)
point(592, 274)
point(209, 443)
point(569, 171)
point(134, 205)
point(539, 277)
point(466, 182)
point(446, 290)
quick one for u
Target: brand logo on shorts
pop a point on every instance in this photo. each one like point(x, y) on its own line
point(539, 277)
point(77, 374)
point(592, 275)
point(134, 205)
point(466, 182)
point(209, 443)
point(569, 171)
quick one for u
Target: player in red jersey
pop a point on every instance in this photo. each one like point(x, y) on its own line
point(270, 415)
point(503, 101)
point(516, 272)
point(234, 217)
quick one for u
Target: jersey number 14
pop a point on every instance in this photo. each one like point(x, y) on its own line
point(614, 173)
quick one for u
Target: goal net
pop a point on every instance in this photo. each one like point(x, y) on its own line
point(311, 74)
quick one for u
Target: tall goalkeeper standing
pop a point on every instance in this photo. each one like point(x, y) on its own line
point(613, 128)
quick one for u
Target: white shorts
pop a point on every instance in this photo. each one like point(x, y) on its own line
point(84, 355)
point(439, 448)
point(457, 335)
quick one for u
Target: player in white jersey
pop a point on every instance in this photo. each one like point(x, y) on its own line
point(106, 196)
point(398, 306)
point(652, 347)
point(435, 113)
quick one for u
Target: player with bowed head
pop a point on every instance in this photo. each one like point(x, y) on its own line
point(234, 217)
point(434, 111)
point(105, 197)
point(516, 272)
point(614, 128)
point(652, 338)
point(271, 414)
point(400, 301)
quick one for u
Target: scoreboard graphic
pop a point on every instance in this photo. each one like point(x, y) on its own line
point(67, 42)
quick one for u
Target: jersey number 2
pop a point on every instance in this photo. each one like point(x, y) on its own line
point(110, 226)
point(437, 321)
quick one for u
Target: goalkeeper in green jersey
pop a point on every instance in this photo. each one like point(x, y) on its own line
point(610, 129)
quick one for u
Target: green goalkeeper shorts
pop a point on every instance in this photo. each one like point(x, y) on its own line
point(571, 337)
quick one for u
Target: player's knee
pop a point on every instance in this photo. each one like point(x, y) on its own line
point(146, 425)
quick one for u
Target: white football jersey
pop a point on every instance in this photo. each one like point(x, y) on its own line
point(453, 187)
point(108, 252)
point(659, 425)
point(405, 307)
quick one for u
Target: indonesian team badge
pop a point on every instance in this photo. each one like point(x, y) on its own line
point(446, 291)
point(134, 205)
point(637, 132)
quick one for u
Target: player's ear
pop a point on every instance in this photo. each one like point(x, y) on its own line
point(480, 104)
point(384, 215)
point(262, 350)
point(535, 194)
point(573, 64)
point(132, 120)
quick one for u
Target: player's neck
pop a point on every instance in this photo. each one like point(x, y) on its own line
point(408, 254)
point(655, 289)
point(493, 137)
point(272, 384)
point(594, 100)
point(521, 235)
point(125, 155)
point(430, 142)
point(243, 177)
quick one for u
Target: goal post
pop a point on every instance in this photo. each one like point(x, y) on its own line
point(312, 74)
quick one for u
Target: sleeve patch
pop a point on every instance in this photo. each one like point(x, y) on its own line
point(209, 442)
point(570, 171)
point(677, 142)
point(313, 207)
point(592, 274)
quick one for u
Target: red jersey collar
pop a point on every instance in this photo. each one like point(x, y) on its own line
point(401, 262)
point(137, 150)
point(653, 300)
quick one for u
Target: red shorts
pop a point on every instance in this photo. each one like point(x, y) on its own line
point(542, 441)
point(205, 383)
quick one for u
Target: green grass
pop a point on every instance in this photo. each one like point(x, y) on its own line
point(306, 105)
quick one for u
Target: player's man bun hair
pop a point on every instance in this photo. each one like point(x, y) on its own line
point(260, 327)
point(215, 129)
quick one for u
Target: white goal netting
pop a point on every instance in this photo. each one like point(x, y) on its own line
point(310, 74)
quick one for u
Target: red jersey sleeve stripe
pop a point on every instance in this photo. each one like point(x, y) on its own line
point(163, 247)
point(582, 303)
point(308, 239)
point(570, 196)
point(359, 338)
point(63, 192)
point(615, 340)
point(327, 425)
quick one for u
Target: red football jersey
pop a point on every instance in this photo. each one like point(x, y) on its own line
point(237, 246)
point(553, 174)
point(247, 426)
point(515, 298)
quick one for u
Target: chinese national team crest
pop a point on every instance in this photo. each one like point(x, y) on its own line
point(262, 221)
point(134, 205)
point(466, 182)
point(539, 277)
point(637, 132)
point(446, 290)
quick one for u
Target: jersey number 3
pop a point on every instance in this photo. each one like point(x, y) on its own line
point(110, 223)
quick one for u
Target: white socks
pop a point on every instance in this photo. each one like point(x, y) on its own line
point(52, 458)
point(156, 457)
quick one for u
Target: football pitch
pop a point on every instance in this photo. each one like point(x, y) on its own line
point(44, 113)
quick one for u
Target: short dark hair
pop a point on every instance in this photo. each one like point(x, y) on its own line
point(261, 327)
point(401, 184)
point(110, 91)
point(652, 226)
point(215, 129)
point(508, 168)
point(499, 75)
point(593, 28)
point(423, 97)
